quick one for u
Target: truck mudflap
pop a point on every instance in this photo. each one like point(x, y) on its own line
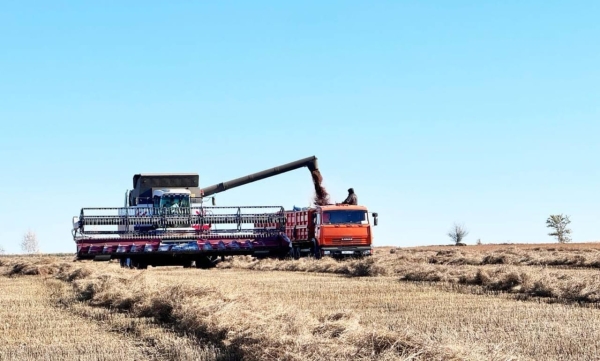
point(346, 251)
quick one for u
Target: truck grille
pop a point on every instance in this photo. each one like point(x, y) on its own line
point(349, 242)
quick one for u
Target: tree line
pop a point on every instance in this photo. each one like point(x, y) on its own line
point(558, 222)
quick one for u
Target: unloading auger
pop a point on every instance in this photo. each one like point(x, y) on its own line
point(164, 222)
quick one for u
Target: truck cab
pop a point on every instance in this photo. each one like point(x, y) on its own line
point(330, 230)
point(342, 230)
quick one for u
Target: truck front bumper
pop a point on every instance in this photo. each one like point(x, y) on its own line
point(346, 251)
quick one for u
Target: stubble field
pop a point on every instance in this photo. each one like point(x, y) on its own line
point(493, 302)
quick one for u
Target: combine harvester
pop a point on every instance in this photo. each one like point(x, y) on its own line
point(164, 222)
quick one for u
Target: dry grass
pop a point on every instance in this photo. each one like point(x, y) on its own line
point(240, 323)
point(352, 268)
point(256, 328)
point(410, 304)
point(511, 271)
point(32, 329)
point(43, 318)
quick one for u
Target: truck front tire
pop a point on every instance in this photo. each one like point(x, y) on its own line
point(316, 249)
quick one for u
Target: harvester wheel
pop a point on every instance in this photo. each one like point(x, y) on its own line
point(135, 264)
point(206, 262)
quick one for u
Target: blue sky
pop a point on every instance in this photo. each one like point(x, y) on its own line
point(484, 113)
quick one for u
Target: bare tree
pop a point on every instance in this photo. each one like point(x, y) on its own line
point(2, 250)
point(559, 222)
point(458, 233)
point(30, 243)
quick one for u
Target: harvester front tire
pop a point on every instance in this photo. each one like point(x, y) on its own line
point(206, 262)
point(135, 264)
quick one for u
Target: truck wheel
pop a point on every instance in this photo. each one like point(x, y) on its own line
point(316, 249)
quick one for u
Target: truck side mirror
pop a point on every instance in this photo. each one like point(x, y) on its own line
point(375, 219)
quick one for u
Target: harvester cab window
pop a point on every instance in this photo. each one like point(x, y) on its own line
point(180, 200)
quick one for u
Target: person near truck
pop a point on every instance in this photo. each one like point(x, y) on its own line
point(351, 199)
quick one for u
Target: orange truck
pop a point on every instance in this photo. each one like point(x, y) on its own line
point(331, 230)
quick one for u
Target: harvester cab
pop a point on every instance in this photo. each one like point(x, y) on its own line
point(170, 198)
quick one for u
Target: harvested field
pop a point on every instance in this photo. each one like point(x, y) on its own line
point(450, 303)
point(42, 319)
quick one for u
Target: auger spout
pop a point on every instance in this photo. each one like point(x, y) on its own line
point(309, 162)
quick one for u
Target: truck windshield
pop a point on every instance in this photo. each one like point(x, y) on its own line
point(179, 200)
point(345, 217)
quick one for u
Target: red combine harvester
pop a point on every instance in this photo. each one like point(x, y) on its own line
point(164, 222)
